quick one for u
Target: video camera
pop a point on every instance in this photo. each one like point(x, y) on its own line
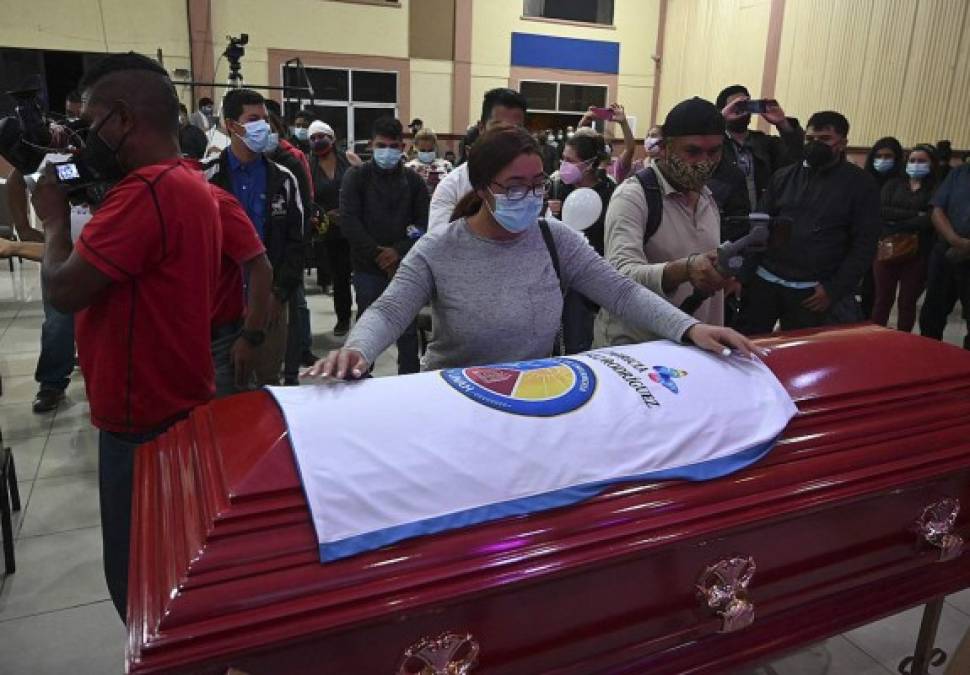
point(764, 232)
point(25, 136)
point(26, 140)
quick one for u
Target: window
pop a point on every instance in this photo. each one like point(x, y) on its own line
point(583, 11)
point(347, 99)
point(386, 3)
point(562, 96)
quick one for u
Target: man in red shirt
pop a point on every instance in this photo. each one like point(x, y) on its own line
point(238, 327)
point(142, 280)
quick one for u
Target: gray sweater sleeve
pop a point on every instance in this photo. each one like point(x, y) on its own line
point(390, 315)
point(585, 271)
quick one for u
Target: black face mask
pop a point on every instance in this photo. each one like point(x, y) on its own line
point(739, 124)
point(818, 154)
point(101, 159)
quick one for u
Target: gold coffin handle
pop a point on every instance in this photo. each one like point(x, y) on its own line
point(446, 654)
point(935, 526)
point(723, 588)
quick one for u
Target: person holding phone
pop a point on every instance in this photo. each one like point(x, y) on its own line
point(622, 166)
point(757, 154)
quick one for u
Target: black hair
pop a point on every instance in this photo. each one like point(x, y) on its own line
point(931, 181)
point(73, 96)
point(119, 62)
point(502, 96)
point(897, 150)
point(140, 82)
point(944, 150)
point(277, 124)
point(183, 109)
point(273, 106)
point(306, 114)
point(205, 100)
point(235, 99)
point(498, 146)
point(728, 92)
point(829, 118)
point(589, 147)
point(389, 127)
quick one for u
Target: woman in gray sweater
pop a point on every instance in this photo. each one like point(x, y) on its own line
point(490, 279)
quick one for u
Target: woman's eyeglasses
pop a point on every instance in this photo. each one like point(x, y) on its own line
point(515, 193)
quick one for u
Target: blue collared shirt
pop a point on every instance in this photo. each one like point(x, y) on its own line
point(249, 186)
point(954, 198)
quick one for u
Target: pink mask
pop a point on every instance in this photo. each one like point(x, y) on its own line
point(569, 173)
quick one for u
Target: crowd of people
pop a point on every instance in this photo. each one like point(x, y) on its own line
point(186, 281)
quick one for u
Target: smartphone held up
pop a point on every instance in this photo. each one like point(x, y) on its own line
point(756, 106)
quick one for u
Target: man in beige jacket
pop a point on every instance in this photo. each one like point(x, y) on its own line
point(679, 257)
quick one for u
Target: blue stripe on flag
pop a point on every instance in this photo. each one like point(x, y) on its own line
point(701, 471)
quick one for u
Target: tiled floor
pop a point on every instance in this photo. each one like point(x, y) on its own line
point(54, 614)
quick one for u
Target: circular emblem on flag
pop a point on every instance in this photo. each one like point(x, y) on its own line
point(542, 388)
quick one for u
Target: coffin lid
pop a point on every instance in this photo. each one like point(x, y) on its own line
point(225, 560)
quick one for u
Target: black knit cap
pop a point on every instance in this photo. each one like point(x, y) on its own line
point(728, 92)
point(693, 117)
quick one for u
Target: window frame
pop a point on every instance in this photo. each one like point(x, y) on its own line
point(349, 104)
point(558, 83)
point(374, 3)
point(569, 22)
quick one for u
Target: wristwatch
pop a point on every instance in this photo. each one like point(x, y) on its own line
point(254, 337)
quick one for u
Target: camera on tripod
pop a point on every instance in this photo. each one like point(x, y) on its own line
point(235, 50)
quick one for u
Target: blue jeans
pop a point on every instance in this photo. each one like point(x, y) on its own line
point(368, 287)
point(116, 473)
point(299, 340)
point(56, 360)
point(223, 339)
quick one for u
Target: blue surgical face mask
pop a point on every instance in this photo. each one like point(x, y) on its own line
point(272, 142)
point(516, 216)
point(917, 170)
point(427, 157)
point(387, 158)
point(257, 135)
point(301, 133)
point(883, 165)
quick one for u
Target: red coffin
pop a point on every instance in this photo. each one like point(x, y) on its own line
point(849, 519)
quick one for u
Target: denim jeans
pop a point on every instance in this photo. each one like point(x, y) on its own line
point(368, 287)
point(299, 340)
point(223, 339)
point(947, 284)
point(116, 473)
point(56, 360)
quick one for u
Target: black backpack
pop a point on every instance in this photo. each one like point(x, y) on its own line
point(655, 201)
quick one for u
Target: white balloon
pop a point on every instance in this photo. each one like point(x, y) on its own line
point(582, 208)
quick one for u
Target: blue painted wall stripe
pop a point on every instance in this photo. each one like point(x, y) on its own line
point(546, 51)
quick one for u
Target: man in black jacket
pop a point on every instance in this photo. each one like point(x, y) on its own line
point(834, 207)
point(754, 153)
point(270, 195)
point(383, 210)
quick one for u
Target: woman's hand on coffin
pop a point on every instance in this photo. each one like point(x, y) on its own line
point(719, 340)
point(342, 364)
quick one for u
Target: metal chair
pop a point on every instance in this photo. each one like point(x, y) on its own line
point(9, 502)
point(7, 230)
